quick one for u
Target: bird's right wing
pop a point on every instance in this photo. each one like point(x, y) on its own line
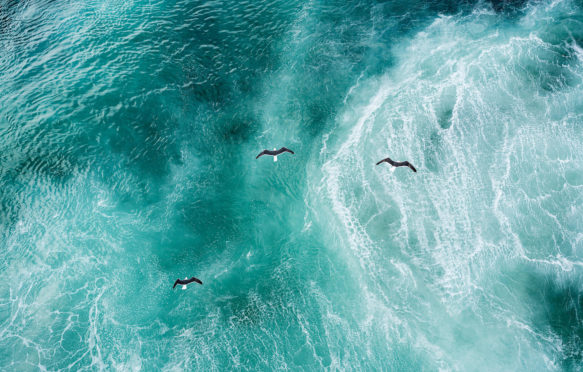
point(382, 161)
point(411, 166)
point(285, 149)
point(197, 280)
point(175, 283)
point(261, 154)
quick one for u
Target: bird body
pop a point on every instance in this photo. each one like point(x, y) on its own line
point(274, 152)
point(184, 282)
point(398, 163)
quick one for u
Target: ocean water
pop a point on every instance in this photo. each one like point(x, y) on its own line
point(128, 136)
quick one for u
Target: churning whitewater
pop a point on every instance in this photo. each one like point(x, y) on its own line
point(128, 137)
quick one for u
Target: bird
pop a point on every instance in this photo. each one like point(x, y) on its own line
point(186, 281)
point(275, 152)
point(398, 163)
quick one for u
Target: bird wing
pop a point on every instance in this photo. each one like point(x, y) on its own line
point(285, 149)
point(261, 154)
point(193, 279)
point(175, 283)
point(387, 160)
point(410, 166)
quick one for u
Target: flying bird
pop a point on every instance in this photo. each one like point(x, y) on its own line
point(275, 152)
point(185, 282)
point(398, 163)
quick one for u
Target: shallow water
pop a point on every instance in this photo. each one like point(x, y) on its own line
point(128, 131)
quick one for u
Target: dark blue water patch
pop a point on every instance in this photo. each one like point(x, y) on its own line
point(444, 118)
point(564, 306)
point(216, 92)
point(509, 7)
point(444, 108)
point(236, 129)
point(557, 308)
point(405, 17)
point(317, 115)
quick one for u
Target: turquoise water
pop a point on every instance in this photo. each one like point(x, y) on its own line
point(128, 132)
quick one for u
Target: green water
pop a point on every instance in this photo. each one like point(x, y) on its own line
point(128, 136)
